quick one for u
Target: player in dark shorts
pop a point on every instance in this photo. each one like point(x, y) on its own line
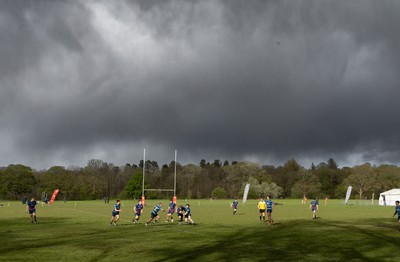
point(171, 211)
point(181, 211)
point(138, 211)
point(188, 215)
point(31, 209)
point(270, 205)
point(115, 213)
point(261, 208)
point(314, 208)
point(154, 214)
point(234, 205)
point(397, 211)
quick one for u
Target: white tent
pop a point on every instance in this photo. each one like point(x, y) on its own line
point(389, 198)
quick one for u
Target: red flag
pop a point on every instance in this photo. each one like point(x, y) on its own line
point(53, 197)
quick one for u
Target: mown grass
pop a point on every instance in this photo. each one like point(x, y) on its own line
point(80, 231)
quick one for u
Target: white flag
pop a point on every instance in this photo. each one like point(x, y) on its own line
point(246, 192)
point(348, 193)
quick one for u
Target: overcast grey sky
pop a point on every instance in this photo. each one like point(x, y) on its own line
point(262, 81)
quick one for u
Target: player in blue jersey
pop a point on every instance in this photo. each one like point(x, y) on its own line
point(115, 213)
point(188, 215)
point(234, 205)
point(397, 211)
point(171, 211)
point(138, 208)
point(270, 205)
point(31, 209)
point(154, 213)
point(314, 208)
point(181, 211)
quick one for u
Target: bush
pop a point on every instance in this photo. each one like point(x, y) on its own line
point(218, 192)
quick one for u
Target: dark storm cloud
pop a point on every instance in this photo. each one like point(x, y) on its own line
point(258, 80)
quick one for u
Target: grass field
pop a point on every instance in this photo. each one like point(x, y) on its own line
point(80, 231)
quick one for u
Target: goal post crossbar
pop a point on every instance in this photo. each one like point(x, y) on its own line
point(159, 189)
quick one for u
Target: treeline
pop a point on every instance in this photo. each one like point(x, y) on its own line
point(207, 179)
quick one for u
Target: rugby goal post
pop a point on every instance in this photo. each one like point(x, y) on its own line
point(158, 189)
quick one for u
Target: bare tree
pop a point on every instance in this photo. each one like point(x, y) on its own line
point(362, 179)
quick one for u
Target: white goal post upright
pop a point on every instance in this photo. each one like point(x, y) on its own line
point(144, 166)
point(175, 176)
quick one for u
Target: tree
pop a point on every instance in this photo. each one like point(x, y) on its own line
point(329, 176)
point(362, 179)
point(285, 176)
point(134, 186)
point(235, 175)
point(388, 177)
point(263, 176)
point(217, 163)
point(152, 166)
point(95, 178)
point(57, 177)
point(17, 180)
point(203, 163)
point(307, 184)
point(332, 164)
point(186, 179)
point(264, 188)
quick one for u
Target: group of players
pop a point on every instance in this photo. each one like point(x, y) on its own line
point(268, 204)
point(184, 213)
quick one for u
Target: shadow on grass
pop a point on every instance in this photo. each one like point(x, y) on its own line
point(295, 241)
point(20, 234)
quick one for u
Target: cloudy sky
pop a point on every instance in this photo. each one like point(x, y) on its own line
point(262, 81)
